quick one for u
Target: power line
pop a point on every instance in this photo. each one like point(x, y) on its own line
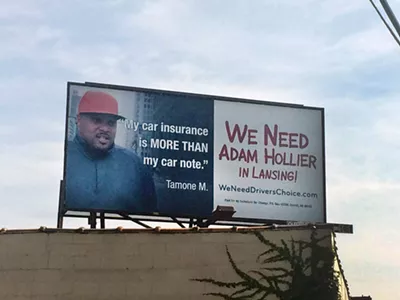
point(392, 17)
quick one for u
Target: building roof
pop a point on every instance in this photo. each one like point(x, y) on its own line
point(167, 230)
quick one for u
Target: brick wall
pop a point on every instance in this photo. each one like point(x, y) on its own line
point(136, 265)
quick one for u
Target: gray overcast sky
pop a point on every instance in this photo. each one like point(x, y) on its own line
point(331, 53)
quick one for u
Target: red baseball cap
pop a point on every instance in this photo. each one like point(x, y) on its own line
point(96, 102)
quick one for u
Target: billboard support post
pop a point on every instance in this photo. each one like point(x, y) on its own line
point(60, 214)
point(222, 213)
point(178, 222)
point(102, 221)
point(135, 221)
point(92, 220)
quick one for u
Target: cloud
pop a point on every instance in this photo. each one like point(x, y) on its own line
point(23, 10)
point(26, 41)
point(30, 175)
point(21, 162)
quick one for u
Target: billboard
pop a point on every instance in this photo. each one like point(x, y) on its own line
point(152, 152)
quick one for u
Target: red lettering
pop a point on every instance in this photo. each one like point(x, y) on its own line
point(303, 141)
point(292, 140)
point(254, 175)
point(283, 139)
point(239, 155)
point(304, 160)
point(223, 153)
point(313, 160)
point(236, 131)
point(274, 174)
point(251, 137)
point(289, 159)
point(269, 135)
point(234, 154)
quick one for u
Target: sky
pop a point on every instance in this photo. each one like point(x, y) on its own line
point(335, 54)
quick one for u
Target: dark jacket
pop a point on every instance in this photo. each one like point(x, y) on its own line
point(117, 181)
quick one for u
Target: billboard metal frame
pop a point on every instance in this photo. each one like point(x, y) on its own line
point(180, 220)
